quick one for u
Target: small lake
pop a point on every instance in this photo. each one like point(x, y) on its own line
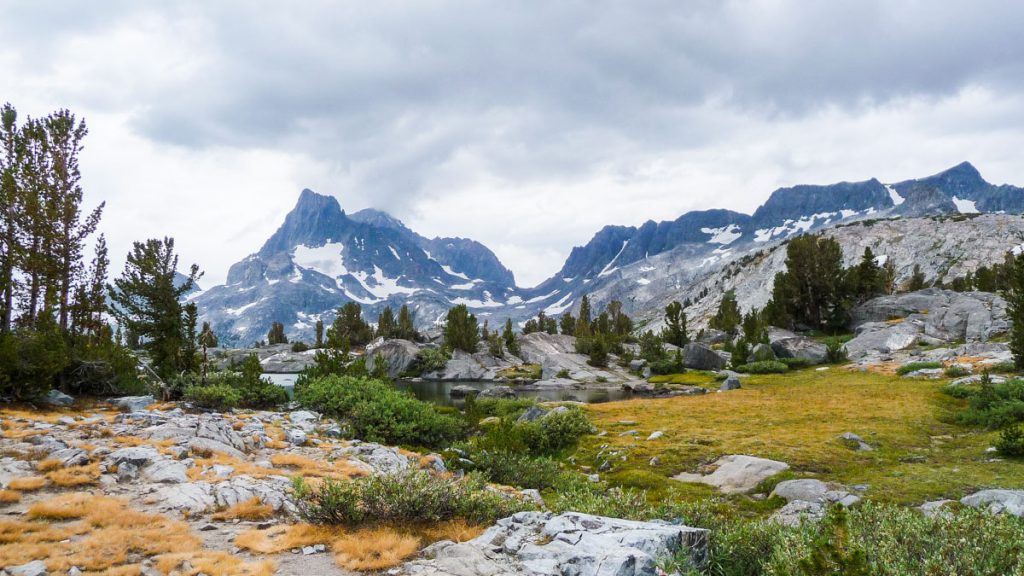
point(439, 393)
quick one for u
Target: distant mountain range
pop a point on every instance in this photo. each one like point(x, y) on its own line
point(322, 257)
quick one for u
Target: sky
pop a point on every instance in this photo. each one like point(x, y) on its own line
point(525, 125)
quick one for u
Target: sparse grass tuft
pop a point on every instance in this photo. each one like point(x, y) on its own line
point(308, 467)
point(374, 549)
point(251, 509)
point(9, 496)
point(49, 464)
point(76, 476)
point(282, 538)
point(27, 484)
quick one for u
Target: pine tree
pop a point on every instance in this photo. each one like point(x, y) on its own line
point(461, 331)
point(598, 352)
point(867, 276)
point(531, 326)
point(148, 304)
point(349, 327)
point(813, 291)
point(755, 329)
point(386, 323)
point(889, 274)
point(917, 280)
point(551, 326)
point(11, 212)
point(675, 325)
point(189, 348)
point(207, 337)
point(583, 320)
point(567, 324)
point(509, 336)
point(276, 334)
point(485, 332)
point(728, 317)
point(406, 326)
point(1015, 310)
point(319, 334)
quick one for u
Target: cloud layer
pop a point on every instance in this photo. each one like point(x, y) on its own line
point(524, 125)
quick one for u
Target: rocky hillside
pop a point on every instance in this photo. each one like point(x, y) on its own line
point(322, 257)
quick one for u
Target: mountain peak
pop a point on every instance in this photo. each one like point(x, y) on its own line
point(311, 202)
point(378, 218)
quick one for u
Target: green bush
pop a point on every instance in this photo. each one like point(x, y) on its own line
point(213, 396)
point(299, 346)
point(915, 366)
point(31, 360)
point(992, 405)
point(763, 367)
point(563, 373)
point(413, 497)
point(835, 352)
point(668, 365)
point(379, 413)
point(956, 371)
point(516, 469)
point(795, 363)
point(428, 360)
point(1011, 441)
point(545, 436)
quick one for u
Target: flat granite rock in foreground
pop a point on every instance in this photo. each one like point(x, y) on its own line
point(535, 543)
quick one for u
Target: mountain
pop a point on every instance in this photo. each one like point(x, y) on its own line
point(321, 257)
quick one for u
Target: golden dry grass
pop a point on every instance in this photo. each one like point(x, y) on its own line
point(374, 549)
point(9, 496)
point(110, 535)
point(201, 471)
point(340, 469)
point(796, 418)
point(27, 484)
point(49, 464)
point(457, 530)
point(76, 476)
point(251, 509)
point(281, 538)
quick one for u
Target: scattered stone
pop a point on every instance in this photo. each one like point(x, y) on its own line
point(654, 461)
point(165, 471)
point(33, 568)
point(730, 383)
point(855, 442)
point(127, 472)
point(792, 346)
point(628, 433)
point(58, 398)
point(997, 501)
point(655, 435)
point(70, 457)
point(735, 474)
point(498, 392)
point(934, 508)
point(532, 413)
point(208, 527)
point(797, 511)
point(133, 403)
point(296, 437)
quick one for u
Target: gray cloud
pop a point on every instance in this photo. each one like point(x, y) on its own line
point(403, 105)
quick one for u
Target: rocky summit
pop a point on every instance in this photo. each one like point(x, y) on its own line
point(322, 257)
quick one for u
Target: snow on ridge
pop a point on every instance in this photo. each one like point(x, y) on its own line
point(725, 235)
point(643, 281)
point(536, 299)
point(326, 259)
point(395, 252)
point(560, 306)
point(894, 195)
point(965, 206)
point(241, 309)
point(606, 270)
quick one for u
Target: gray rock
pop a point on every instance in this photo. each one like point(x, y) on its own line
point(127, 472)
point(165, 471)
point(798, 511)
point(800, 347)
point(209, 445)
point(701, 357)
point(139, 456)
point(461, 391)
point(655, 435)
point(532, 413)
point(382, 459)
point(58, 398)
point(296, 437)
point(760, 353)
point(730, 383)
point(712, 336)
point(882, 337)
point(33, 568)
point(133, 403)
point(534, 543)
point(976, 378)
point(637, 364)
point(70, 457)
point(997, 501)
point(816, 491)
point(397, 356)
point(461, 366)
point(304, 419)
point(856, 442)
point(498, 392)
point(934, 508)
point(942, 314)
point(735, 474)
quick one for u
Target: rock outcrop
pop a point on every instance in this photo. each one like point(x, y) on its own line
point(736, 474)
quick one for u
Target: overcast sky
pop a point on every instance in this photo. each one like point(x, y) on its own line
point(524, 125)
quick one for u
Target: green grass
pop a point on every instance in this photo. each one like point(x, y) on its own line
point(915, 366)
point(922, 452)
point(692, 378)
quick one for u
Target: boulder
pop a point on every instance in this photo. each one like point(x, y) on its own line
point(532, 413)
point(735, 474)
point(701, 357)
point(381, 459)
point(572, 543)
point(798, 511)
point(461, 391)
point(944, 315)
point(397, 356)
point(800, 347)
point(140, 456)
point(760, 353)
point(69, 456)
point(854, 441)
point(711, 336)
point(997, 501)
point(882, 337)
point(208, 445)
point(295, 436)
point(165, 471)
point(730, 383)
point(288, 362)
point(304, 419)
point(461, 366)
point(498, 392)
point(33, 568)
point(816, 491)
point(133, 403)
point(58, 398)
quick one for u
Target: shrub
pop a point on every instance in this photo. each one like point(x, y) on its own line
point(669, 365)
point(1011, 441)
point(563, 373)
point(835, 352)
point(30, 360)
point(548, 435)
point(955, 371)
point(379, 413)
point(915, 366)
point(299, 346)
point(992, 405)
point(763, 367)
point(428, 360)
point(516, 469)
point(413, 497)
point(578, 495)
point(795, 363)
point(213, 396)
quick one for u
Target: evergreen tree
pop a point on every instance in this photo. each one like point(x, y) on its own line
point(495, 345)
point(509, 336)
point(148, 304)
point(675, 325)
point(755, 329)
point(189, 348)
point(583, 320)
point(1015, 310)
point(531, 326)
point(619, 323)
point(551, 326)
point(889, 276)
point(349, 327)
point(812, 292)
point(461, 331)
point(386, 323)
point(651, 348)
point(11, 212)
point(917, 280)
point(867, 276)
point(485, 332)
point(207, 337)
point(319, 334)
point(276, 334)
point(598, 352)
point(727, 318)
point(567, 324)
point(406, 327)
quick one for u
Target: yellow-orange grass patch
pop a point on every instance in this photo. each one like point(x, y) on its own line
point(9, 496)
point(304, 466)
point(202, 471)
point(49, 464)
point(110, 534)
point(280, 538)
point(27, 484)
point(251, 509)
point(75, 476)
point(374, 549)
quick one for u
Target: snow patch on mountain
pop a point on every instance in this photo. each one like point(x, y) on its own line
point(326, 259)
point(895, 196)
point(965, 206)
point(724, 235)
point(608, 267)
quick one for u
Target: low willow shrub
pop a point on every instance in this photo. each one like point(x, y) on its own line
point(915, 366)
point(548, 435)
point(377, 412)
point(991, 405)
point(226, 390)
point(405, 498)
point(213, 396)
point(516, 468)
point(795, 363)
point(763, 367)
